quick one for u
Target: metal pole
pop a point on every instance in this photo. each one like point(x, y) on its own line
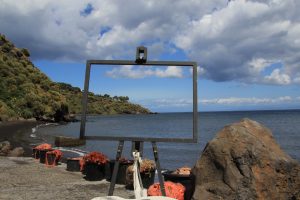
point(85, 100)
point(161, 182)
point(195, 103)
point(116, 169)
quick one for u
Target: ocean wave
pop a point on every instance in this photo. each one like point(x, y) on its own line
point(72, 150)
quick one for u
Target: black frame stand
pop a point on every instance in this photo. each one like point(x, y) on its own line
point(137, 142)
point(137, 146)
point(116, 168)
point(141, 59)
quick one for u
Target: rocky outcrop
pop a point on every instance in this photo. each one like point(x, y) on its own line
point(244, 162)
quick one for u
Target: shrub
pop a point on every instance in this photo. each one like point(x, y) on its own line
point(27, 113)
point(6, 47)
point(25, 52)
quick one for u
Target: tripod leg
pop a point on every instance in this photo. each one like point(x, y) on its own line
point(161, 182)
point(116, 169)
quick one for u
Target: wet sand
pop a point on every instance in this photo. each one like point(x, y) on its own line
point(18, 134)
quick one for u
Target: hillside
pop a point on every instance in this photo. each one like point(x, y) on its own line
point(26, 92)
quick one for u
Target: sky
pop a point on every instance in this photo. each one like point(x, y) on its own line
point(247, 51)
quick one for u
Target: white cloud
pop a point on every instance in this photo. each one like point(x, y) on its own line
point(200, 71)
point(57, 30)
point(259, 64)
point(246, 101)
point(130, 71)
point(239, 41)
point(172, 102)
point(230, 41)
point(171, 71)
point(232, 101)
point(296, 79)
point(277, 77)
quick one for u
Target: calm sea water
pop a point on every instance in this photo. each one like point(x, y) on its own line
point(285, 126)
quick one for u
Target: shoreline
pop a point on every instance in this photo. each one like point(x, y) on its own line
point(18, 134)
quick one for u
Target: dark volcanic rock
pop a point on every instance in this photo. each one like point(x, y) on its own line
point(244, 162)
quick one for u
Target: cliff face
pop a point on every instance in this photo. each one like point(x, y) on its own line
point(26, 92)
point(244, 162)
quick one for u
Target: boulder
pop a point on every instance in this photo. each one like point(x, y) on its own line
point(16, 152)
point(5, 147)
point(244, 162)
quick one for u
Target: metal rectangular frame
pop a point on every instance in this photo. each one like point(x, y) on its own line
point(89, 64)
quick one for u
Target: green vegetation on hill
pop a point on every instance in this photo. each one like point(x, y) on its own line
point(26, 92)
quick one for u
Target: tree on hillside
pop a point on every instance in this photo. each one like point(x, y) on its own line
point(124, 98)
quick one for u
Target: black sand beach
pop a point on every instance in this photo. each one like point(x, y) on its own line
point(18, 134)
point(25, 178)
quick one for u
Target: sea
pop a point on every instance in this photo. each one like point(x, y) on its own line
point(284, 124)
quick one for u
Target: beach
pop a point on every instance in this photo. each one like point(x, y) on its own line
point(25, 178)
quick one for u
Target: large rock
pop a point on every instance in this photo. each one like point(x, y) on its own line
point(244, 162)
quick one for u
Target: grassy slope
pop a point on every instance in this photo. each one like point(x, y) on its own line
point(26, 92)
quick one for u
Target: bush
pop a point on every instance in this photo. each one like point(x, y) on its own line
point(27, 113)
point(6, 47)
point(2, 37)
point(5, 112)
point(61, 113)
point(25, 52)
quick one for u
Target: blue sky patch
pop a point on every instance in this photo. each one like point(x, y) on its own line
point(104, 30)
point(87, 10)
point(268, 70)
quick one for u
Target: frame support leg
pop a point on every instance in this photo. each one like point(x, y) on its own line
point(161, 182)
point(85, 100)
point(116, 169)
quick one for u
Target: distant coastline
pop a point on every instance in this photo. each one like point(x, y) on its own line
point(216, 111)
